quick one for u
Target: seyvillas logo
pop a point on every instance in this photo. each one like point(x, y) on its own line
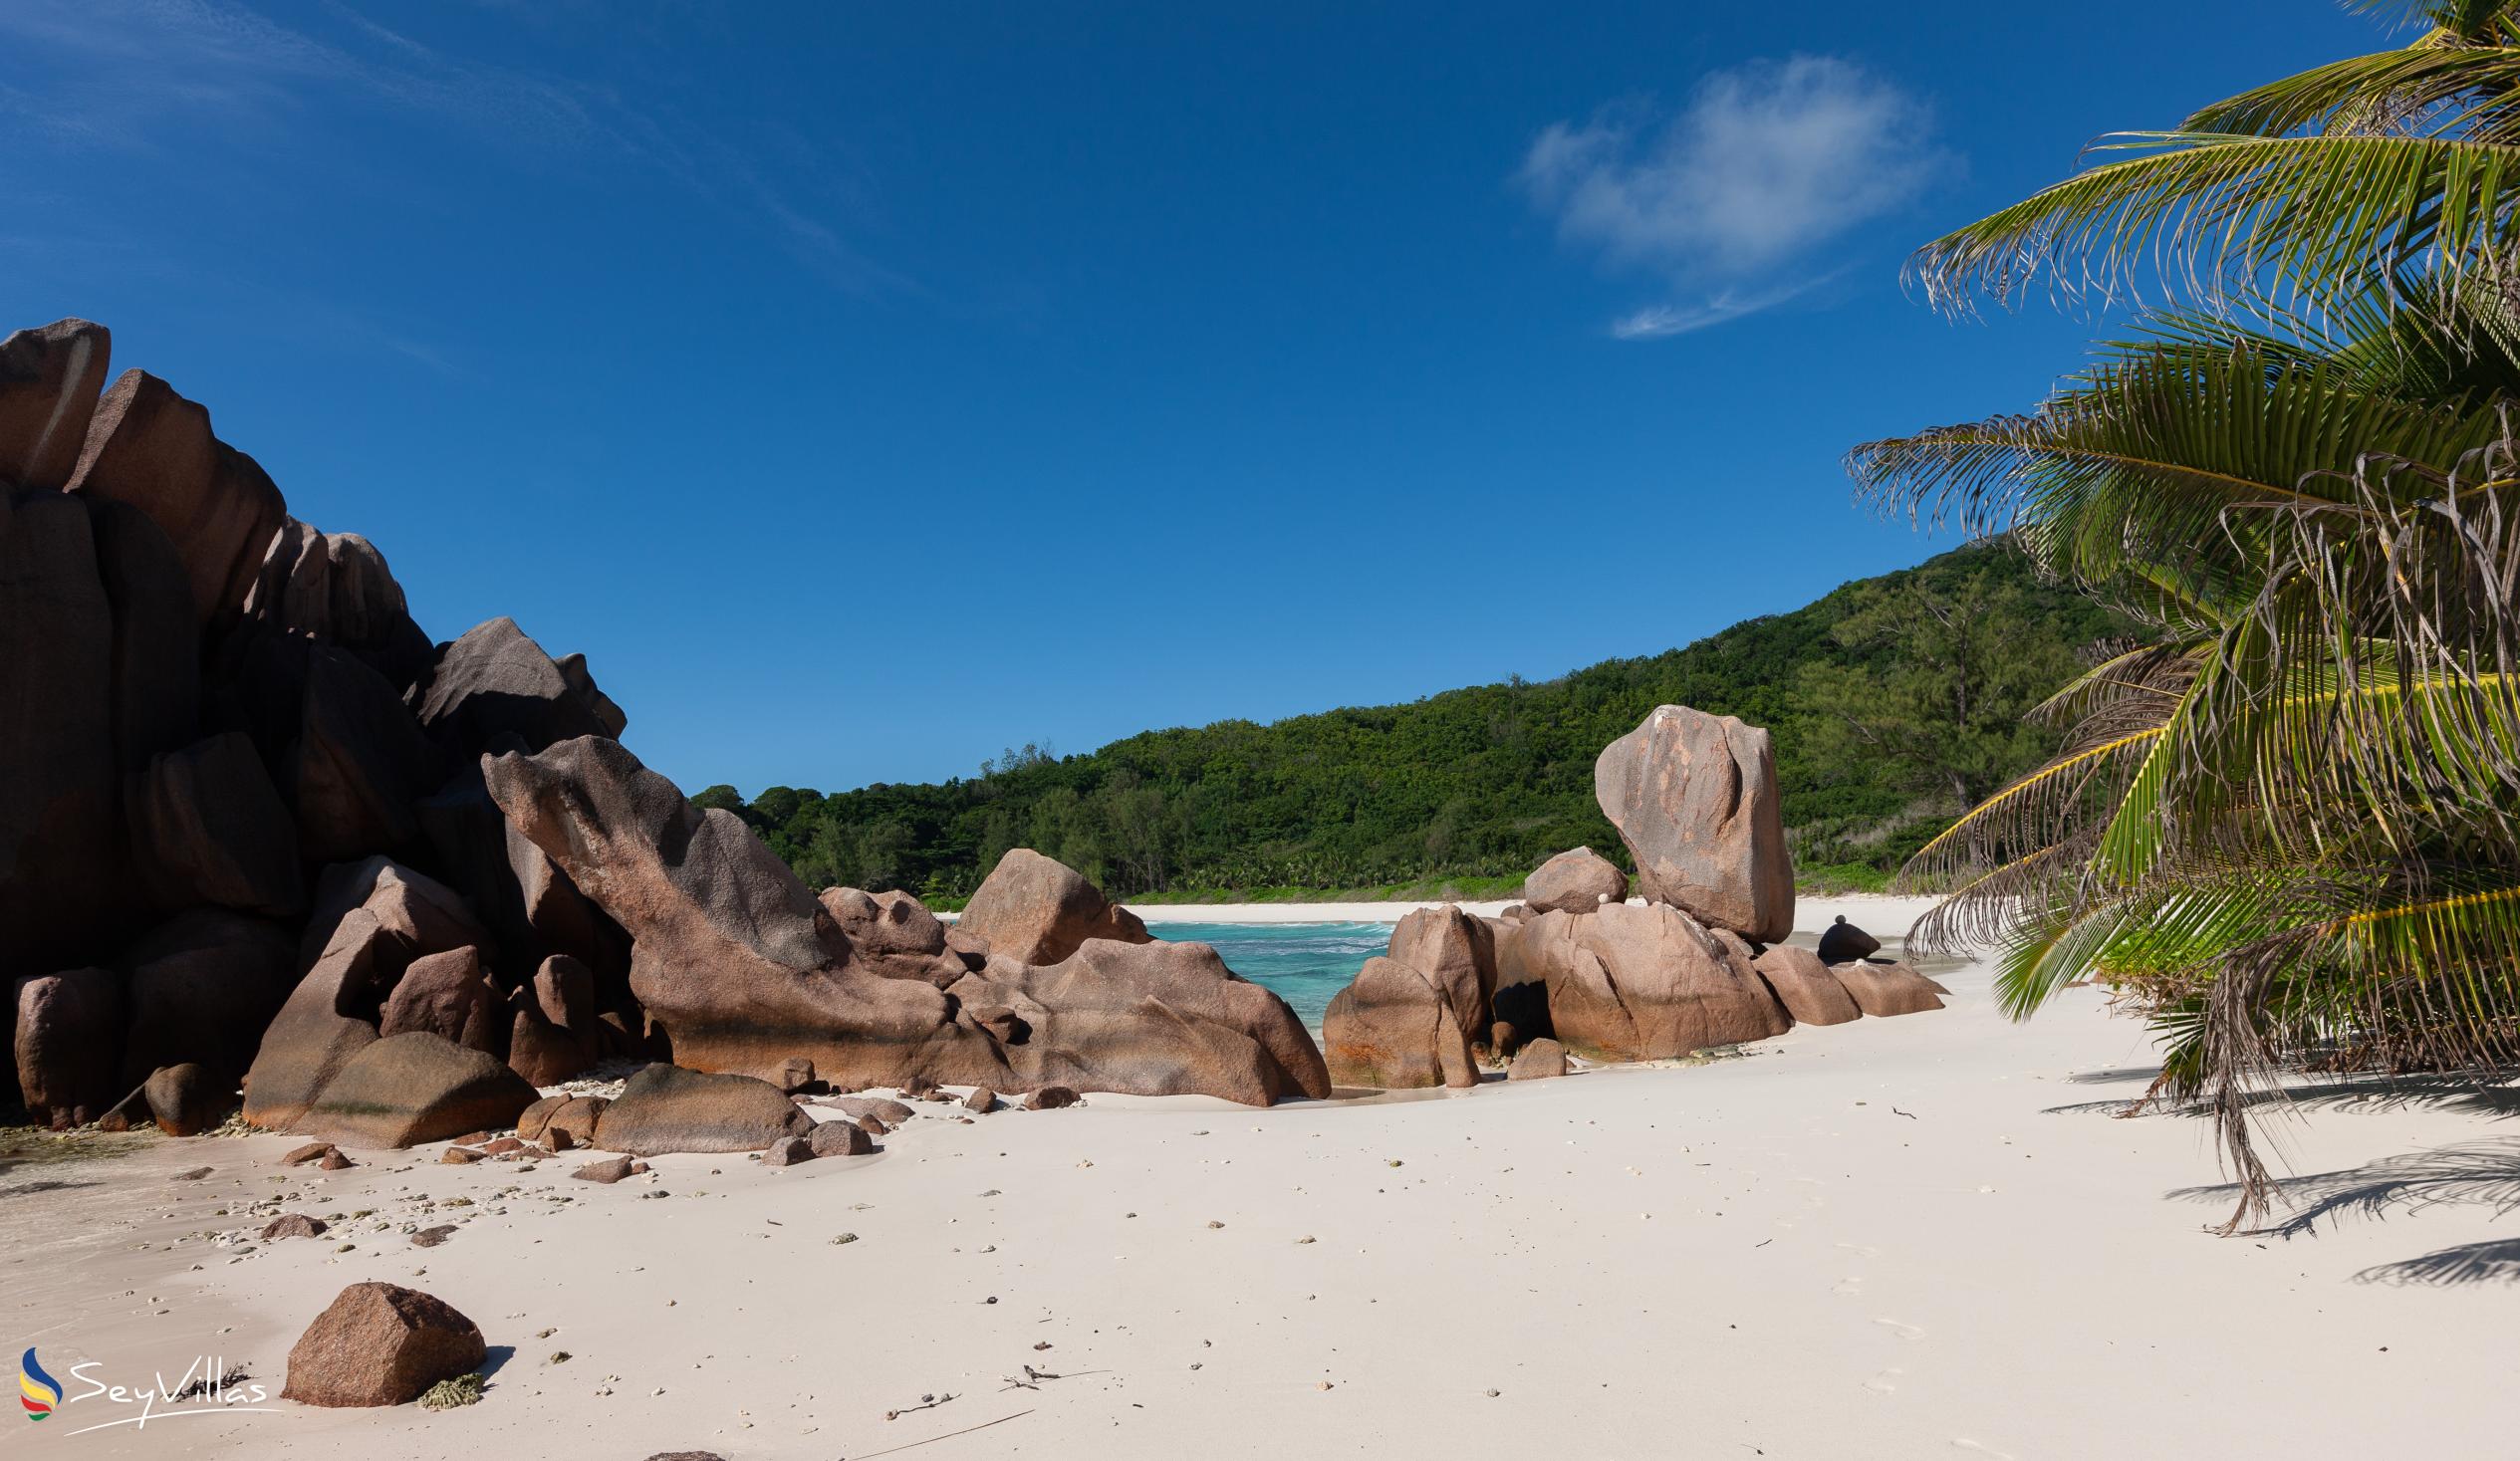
point(207, 1387)
point(37, 1391)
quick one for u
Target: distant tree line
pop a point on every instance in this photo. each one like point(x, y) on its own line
point(1896, 703)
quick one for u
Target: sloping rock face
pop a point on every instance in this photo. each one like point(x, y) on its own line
point(731, 956)
point(336, 587)
point(494, 682)
point(665, 1108)
point(380, 1344)
point(1809, 991)
point(1694, 798)
point(1456, 953)
point(1146, 1019)
point(1575, 881)
point(407, 1089)
point(1841, 941)
point(446, 995)
point(1632, 983)
point(1037, 911)
point(1391, 1029)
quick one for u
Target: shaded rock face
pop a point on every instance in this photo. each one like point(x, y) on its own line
point(1519, 1007)
point(1841, 941)
point(48, 380)
point(413, 1087)
point(58, 859)
point(494, 682)
point(1147, 1019)
point(1576, 882)
point(665, 1108)
point(202, 989)
point(335, 587)
point(380, 1344)
point(1391, 1029)
point(732, 957)
point(891, 934)
point(151, 448)
point(1456, 953)
point(1694, 798)
point(533, 907)
point(1037, 911)
point(1804, 986)
point(447, 995)
point(1630, 983)
point(209, 828)
point(1883, 990)
point(69, 1045)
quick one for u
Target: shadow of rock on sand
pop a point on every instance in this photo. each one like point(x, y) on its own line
point(2473, 1174)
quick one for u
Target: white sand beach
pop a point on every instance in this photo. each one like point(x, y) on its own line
point(1908, 1238)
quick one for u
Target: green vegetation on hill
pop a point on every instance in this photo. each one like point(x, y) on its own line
point(1896, 702)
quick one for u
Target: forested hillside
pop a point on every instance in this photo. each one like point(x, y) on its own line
point(1896, 702)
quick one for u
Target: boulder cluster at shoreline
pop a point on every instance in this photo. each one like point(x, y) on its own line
point(1576, 968)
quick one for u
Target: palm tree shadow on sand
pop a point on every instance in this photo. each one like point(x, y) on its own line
point(2472, 1175)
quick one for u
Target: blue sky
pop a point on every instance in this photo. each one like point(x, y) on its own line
point(866, 389)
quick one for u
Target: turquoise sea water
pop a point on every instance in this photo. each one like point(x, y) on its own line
point(1305, 963)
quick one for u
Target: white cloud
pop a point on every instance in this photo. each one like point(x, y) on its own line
point(1767, 165)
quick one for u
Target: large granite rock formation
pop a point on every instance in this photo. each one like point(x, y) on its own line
point(892, 934)
point(1457, 954)
point(1393, 1029)
point(1694, 798)
point(1631, 982)
point(48, 380)
point(1144, 1019)
point(731, 955)
point(151, 448)
point(1037, 911)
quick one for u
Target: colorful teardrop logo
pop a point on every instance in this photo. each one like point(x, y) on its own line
point(37, 1391)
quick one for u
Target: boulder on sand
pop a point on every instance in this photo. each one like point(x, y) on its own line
point(1037, 911)
point(1147, 1019)
point(1576, 881)
point(380, 1344)
point(665, 1108)
point(1643, 983)
point(186, 1099)
point(414, 1088)
point(1393, 1030)
point(1456, 953)
point(1804, 986)
point(1841, 941)
point(1883, 989)
point(1694, 798)
point(69, 1045)
point(731, 955)
point(1541, 1060)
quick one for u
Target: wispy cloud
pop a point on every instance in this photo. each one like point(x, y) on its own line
point(127, 75)
point(1767, 165)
